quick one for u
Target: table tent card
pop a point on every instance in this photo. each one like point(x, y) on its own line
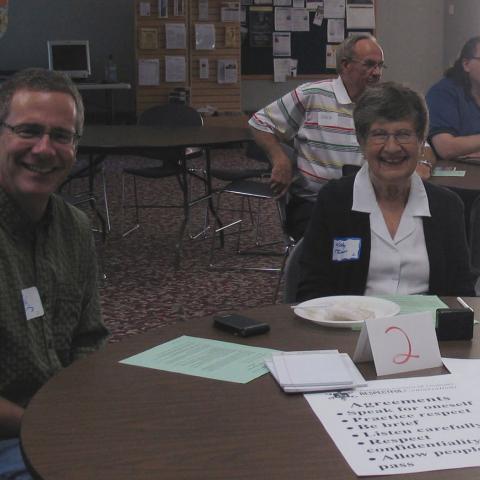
point(399, 344)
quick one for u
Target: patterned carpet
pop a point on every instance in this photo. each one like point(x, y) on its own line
point(143, 290)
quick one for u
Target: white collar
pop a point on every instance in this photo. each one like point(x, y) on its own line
point(364, 199)
point(340, 91)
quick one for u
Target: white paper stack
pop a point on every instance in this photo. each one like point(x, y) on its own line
point(314, 371)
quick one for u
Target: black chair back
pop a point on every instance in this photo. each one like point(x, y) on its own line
point(474, 240)
point(292, 273)
point(171, 114)
point(348, 169)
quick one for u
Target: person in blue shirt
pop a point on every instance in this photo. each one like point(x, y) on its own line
point(454, 106)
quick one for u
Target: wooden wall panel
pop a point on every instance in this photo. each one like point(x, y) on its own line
point(150, 95)
point(224, 97)
point(203, 92)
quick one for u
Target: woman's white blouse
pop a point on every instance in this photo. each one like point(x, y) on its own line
point(399, 265)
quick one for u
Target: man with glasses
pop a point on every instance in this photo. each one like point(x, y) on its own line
point(454, 106)
point(316, 119)
point(49, 304)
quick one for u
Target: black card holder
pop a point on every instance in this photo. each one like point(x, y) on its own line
point(454, 324)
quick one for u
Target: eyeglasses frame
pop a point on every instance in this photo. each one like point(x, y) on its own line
point(13, 128)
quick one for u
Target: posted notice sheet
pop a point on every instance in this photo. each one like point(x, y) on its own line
point(405, 425)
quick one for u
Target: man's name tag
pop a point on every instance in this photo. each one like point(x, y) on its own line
point(327, 118)
point(346, 122)
point(346, 249)
point(32, 303)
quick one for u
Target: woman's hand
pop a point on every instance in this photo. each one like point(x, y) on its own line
point(424, 169)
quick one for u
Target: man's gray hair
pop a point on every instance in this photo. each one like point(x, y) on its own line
point(390, 102)
point(345, 51)
point(40, 80)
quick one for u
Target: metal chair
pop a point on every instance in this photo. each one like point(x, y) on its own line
point(88, 168)
point(252, 151)
point(233, 174)
point(172, 163)
point(81, 198)
point(259, 191)
point(291, 274)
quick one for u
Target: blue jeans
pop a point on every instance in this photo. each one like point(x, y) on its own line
point(11, 461)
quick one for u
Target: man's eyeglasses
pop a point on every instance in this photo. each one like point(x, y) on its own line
point(380, 137)
point(369, 64)
point(33, 131)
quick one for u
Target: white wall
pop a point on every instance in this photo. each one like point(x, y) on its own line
point(412, 35)
point(107, 24)
point(462, 21)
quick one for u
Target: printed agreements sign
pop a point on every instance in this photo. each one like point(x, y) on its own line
point(405, 425)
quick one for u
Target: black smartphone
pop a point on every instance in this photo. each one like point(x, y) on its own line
point(240, 325)
point(454, 324)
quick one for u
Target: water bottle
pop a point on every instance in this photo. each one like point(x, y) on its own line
point(110, 70)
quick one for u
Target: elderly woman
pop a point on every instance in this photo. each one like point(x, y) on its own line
point(384, 231)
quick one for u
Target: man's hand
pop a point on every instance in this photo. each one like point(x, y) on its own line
point(282, 170)
point(281, 176)
point(10, 418)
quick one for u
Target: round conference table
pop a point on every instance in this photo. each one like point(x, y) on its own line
point(470, 181)
point(99, 419)
point(98, 141)
point(467, 187)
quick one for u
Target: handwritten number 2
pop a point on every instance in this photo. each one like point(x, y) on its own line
point(402, 358)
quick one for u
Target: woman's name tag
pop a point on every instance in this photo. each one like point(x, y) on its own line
point(346, 249)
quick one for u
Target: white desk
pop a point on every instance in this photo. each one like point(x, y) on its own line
point(103, 86)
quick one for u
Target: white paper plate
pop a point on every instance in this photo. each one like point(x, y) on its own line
point(312, 309)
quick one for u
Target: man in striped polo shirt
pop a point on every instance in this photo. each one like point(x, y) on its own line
point(316, 119)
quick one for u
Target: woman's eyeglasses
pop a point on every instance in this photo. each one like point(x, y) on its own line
point(380, 137)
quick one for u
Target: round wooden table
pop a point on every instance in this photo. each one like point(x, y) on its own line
point(100, 419)
point(467, 187)
point(471, 180)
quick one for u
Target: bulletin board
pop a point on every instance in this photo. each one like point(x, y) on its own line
point(308, 47)
point(150, 46)
point(207, 89)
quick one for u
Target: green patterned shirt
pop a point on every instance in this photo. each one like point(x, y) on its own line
point(58, 257)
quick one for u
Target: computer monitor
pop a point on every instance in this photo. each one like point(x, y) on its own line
point(71, 57)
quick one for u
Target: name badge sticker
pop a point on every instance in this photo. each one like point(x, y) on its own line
point(346, 249)
point(346, 121)
point(327, 118)
point(32, 303)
